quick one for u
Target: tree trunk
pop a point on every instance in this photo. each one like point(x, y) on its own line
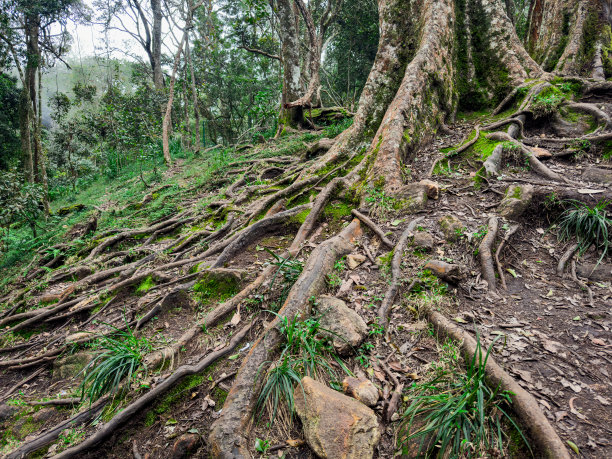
point(563, 34)
point(158, 76)
point(24, 133)
point(290, 57)
point(168, 114)
point(194, 93)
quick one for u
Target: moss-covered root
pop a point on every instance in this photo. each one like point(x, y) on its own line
point(229, 434)
point(547, 443)
point(144, 401)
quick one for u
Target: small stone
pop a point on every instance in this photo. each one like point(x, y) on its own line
point(541, 152)
point(354, 259)
point(424, 240)
point(347, 327)
point(432, 189)
point(7, 411)
point(451, 226)
point(445, 271)
point(335, 426)
point(363, 390)
point(78, 336)
point(185, 445)
point(516, 201)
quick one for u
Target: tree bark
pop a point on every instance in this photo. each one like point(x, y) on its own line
point(158, 76)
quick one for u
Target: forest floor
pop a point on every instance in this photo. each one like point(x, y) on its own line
point(554, 341)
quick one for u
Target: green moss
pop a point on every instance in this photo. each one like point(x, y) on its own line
point(301, 217)
point(145, 285)
point(219, 396)
point(553, 58)
point(215, 287)
point(337, 210)
point(607, 150)
point(483, 147)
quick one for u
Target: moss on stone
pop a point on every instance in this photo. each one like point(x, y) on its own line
point(337, 210)
point(214, 286)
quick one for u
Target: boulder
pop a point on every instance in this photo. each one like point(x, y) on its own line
point(71, 365)
point(432, 189)
point(451, 227)
point(597, 175)
point(516, 201)
point(363, 390)
point(335, 426)
point(185, 445)
point(347, 327)
point(423, 240)
point(7, 412)
point(354, 259)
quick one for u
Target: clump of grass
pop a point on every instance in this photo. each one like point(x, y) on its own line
point(305, 352)
point(589, 225)
point(457, 414)
point(121, 359)
point(289, 269)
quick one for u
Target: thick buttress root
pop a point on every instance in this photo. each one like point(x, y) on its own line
point(228, 436)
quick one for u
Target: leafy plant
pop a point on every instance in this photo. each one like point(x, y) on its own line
point(589, 225)
point(262, 446)
point(455, 414)
point(121, 359)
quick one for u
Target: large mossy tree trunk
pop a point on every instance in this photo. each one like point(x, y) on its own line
point(565, 36)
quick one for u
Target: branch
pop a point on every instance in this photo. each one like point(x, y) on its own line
point(259, 51)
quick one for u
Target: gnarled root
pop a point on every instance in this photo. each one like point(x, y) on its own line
point(484, 252)
point(547, 442)
point(229, 433)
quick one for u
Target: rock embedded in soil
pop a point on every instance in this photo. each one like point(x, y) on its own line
point(347, 327)
point(185, 445)
point(335, 426)
point(412, 197)
point(597, 175)
point(354, 259)
point(445, 271)
point(432, 189)
point(541, 153)
point(423, 240)
point(71, 365)
point(516, 201)
point(451, 227)
point(7, 412)
point(363, 390)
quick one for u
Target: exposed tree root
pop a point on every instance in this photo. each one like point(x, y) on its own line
point(581, 284)
point(547, 442)
point(486, 258)
point(500, 269)
point(374, 227)
point(396, 272)
point(569, 253)
point(229, 433)
point(135, 407)
point(456, 152)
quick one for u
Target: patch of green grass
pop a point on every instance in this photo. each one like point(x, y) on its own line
point(547, 101)
point(121, 359)
point(304, 353)
point(457, 414)
point(589, 225)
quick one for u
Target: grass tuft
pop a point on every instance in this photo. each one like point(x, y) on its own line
point(589, 225)
point(456, 414)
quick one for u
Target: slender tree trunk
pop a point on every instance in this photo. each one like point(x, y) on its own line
point(290, 57)
point(24, 133)
point(168, 113)
point(194, 93)
point(158, 76)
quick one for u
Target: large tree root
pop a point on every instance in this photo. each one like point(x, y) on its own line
point(396, 271)
point(485, 254)
point(229, 434)
point(135, 407)
point(547, 442)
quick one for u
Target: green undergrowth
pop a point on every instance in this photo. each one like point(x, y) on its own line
point(120, 197)
point(145, 285)
point(479, 151)
point(213, 287)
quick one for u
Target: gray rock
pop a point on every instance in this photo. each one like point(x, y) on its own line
point(451, 227)
point(423, 240)
point(363, 390)
point(7, 411)
point(185, 445)
point(412, 197)
point(335, 426)
point(347, 327)
point(516, 201)
point(446, 271)
point(71, 366)
point(597, 175)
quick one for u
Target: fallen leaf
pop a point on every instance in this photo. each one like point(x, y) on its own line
point(295, 442)
point(235, 319)
point(598, 341)
point(379, 375)
point(234, 357)
point(573, 446)
point(460, 320)
point(589, 191)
